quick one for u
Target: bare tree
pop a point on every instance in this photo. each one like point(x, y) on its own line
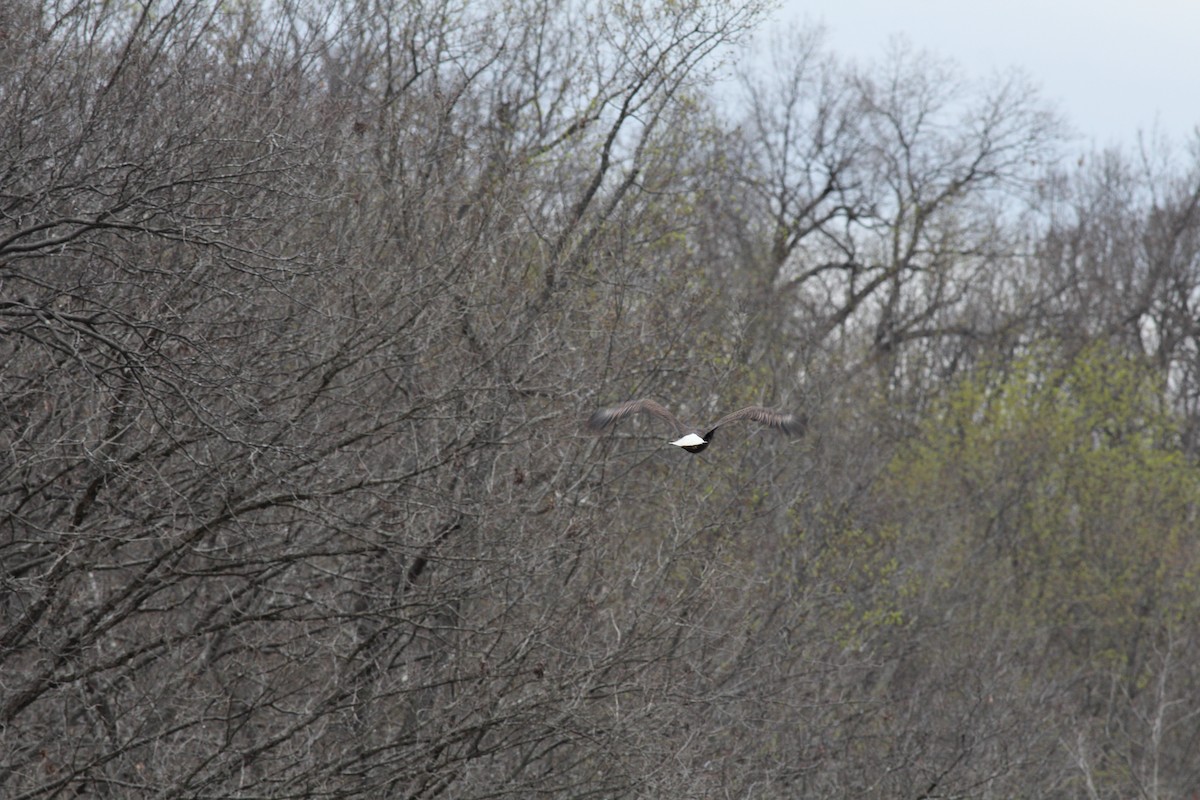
point(292, 301)
point(1116, 261)
point(885, 191)
point(302, 308)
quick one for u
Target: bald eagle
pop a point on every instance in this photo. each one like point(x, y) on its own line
point(691, 439)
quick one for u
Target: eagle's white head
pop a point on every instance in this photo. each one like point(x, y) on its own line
point(691, 440)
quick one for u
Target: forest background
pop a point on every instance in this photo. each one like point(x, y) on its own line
point(302, 306)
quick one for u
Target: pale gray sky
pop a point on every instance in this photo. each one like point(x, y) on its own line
point(1111, 66)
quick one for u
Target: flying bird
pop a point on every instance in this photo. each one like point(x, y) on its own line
point(691, 439)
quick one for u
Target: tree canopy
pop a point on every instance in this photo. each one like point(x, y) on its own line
point(303, 307)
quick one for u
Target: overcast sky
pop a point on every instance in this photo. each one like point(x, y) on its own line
point(1111, 66)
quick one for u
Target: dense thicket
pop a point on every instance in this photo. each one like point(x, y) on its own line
point(302, 305)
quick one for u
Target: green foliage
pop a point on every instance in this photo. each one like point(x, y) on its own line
point(1055, 500)
point(862, 586)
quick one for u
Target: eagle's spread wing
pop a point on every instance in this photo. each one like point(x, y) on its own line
point(780, 421)
point(607, 416)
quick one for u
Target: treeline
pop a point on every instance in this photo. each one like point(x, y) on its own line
point(302, 306)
